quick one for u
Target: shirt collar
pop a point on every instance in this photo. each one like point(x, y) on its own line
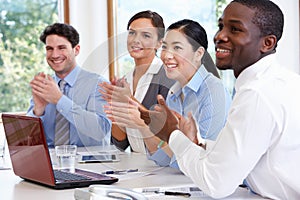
point(71, 77)
point(254, 71)
point(198, 78)
point(155, 66)
point(194, 84)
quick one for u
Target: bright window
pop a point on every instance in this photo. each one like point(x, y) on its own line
point(22, 55)
point(206, 12)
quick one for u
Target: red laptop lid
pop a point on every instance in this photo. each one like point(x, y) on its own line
point(28, 148)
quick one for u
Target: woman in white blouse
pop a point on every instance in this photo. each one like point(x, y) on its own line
point(148, 79)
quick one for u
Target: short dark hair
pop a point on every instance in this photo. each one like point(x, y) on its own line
point(61, 29)
point(268, 16)
point(156, 20)
point(196, 34)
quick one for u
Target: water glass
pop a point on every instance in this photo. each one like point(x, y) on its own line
point(53, 157)
point(66, 157)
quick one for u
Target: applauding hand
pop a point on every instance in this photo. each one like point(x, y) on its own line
point(163, 120)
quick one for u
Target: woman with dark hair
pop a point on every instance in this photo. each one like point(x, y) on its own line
point(148, 79)
point(196, 91)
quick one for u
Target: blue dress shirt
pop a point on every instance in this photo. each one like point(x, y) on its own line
point(82, 106)
point(208, 100)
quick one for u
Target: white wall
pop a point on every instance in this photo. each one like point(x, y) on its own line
point(288, 47)
point(89, 17)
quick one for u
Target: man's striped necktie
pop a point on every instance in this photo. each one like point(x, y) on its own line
point(62, 127)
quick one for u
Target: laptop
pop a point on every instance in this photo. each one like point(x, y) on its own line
point(30, 156)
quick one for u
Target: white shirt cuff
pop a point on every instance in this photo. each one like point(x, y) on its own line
point(178, 142)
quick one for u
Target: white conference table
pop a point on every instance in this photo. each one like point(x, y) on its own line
point(14, 188)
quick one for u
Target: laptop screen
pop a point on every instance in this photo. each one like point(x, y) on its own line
point(28, 148)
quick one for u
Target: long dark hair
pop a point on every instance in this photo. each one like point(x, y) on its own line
point(197, 37)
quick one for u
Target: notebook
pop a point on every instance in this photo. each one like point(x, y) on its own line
point(30, 156)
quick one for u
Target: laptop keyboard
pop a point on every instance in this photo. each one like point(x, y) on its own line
point(67, 176)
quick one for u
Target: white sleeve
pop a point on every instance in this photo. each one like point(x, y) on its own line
point(219, 170)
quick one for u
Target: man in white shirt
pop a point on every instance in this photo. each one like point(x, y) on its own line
point(260, 142)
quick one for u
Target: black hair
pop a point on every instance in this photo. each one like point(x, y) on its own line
point(268, 17)
point(197, 37)
point(196, 34)
point(63, 30)
point(156, 20)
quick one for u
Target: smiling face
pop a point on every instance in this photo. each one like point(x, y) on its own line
point(142, 39)
point(60, 55)
point(180, 60)
point(238, 42)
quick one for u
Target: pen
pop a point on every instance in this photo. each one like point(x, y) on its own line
point(184, 194)
point(120, 171)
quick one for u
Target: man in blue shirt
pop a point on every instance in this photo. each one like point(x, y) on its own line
point(80, 104)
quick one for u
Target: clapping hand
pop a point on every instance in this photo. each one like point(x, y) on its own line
point(189, 127)
point(163, 120)
point(44, 90)
point(118, 90)
point(125, 114)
